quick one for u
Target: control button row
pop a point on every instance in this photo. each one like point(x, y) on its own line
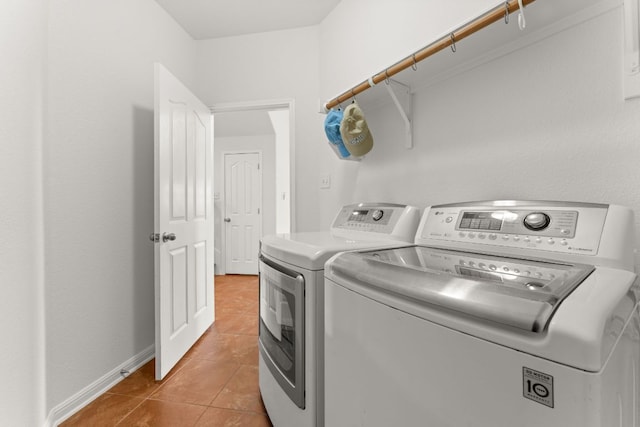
point(505, 269)
point(506, 238)
point(364, 226)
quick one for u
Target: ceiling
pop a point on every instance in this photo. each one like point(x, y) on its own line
point(206, 19)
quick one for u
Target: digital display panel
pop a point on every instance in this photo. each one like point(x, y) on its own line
point(488, 221)
point(359, 215)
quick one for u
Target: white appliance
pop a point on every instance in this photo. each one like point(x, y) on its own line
point(291, 304)
point(504, 314)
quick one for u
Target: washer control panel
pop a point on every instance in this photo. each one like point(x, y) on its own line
point(569, 227)
point(548, 223)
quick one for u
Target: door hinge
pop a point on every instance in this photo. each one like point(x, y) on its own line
point(258, 211)
point(258, 166)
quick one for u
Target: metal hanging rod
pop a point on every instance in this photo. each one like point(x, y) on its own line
point(494, 15)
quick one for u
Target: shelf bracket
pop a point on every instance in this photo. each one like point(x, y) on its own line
point(402, 98)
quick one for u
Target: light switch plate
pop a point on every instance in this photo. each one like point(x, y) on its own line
point(325, 182)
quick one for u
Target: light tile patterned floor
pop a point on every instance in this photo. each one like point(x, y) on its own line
point(214, 385)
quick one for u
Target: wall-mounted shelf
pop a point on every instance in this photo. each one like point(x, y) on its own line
point(544, 18)
point(450, 39)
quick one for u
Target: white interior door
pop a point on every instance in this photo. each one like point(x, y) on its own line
point(243, 205)
point(183, 219)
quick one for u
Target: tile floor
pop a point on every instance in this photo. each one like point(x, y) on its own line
point(214, 385)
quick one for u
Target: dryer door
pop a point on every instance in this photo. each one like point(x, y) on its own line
point(281, 330)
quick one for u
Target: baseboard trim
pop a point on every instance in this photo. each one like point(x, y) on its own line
point(88, 394)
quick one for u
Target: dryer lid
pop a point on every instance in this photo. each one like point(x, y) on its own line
point(517, 292)
point(310, 250)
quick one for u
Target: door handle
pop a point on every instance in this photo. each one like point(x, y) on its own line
point(168, 237)
point(227, 220)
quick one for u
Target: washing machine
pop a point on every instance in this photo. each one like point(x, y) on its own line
point(504, 314)
point(291, 322)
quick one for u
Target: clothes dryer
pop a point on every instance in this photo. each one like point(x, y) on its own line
point(291, 325)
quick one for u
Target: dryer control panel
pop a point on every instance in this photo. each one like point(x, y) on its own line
point(380, 218)
point(526, 228)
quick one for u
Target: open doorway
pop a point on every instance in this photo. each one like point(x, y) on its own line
point(264, 127)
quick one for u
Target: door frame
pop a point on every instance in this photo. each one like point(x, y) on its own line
point(223, 197)
point(266, 105)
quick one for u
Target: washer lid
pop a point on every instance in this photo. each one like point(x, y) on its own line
point(520, 293)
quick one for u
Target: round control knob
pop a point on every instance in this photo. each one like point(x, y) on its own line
point(536, 221)
point(377, 215)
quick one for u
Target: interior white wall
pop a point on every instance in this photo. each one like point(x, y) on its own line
point(22, 46)
point(352, 50)
point(98, 164)
point(280, 122)
point(360, 38)
point(547, 121)
point(266, 144)
point(271, 66)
